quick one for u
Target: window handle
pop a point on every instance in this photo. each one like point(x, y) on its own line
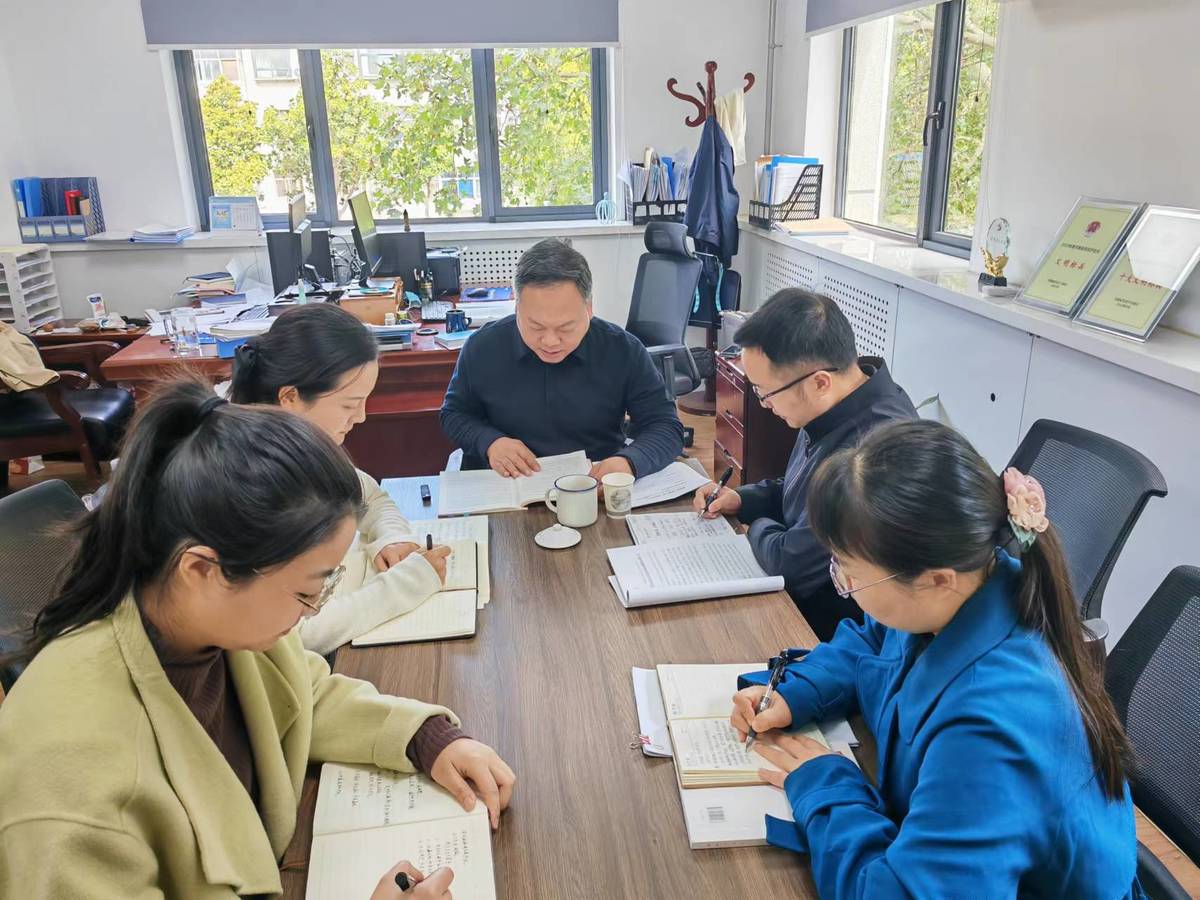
point(934, 119)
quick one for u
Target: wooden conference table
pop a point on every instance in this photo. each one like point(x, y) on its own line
point(546, 682)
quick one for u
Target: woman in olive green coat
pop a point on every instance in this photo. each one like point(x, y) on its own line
point(157, 743)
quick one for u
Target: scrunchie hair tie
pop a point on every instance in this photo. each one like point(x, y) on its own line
point(1026, 507)
point(208, 406)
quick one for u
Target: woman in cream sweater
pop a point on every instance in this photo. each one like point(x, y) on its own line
point(156, 745)
point(319, 362)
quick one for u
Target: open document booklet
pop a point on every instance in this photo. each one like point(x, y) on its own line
point(368, 819)
point(484, 491)
point(683, 711)
point(679, 556)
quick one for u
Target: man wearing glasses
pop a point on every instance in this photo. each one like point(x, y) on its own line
point(799, 357)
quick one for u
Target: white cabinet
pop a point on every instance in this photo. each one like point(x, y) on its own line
point(976, 368)
point(869, 303)
point(1155, 418)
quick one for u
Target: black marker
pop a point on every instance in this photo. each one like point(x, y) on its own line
point(426, 499)
point(403, 883)
point(428, 542)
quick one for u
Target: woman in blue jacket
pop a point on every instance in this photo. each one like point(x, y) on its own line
point(1001, 759)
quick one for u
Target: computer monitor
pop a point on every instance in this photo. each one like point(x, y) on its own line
point(304, 230)
point(366, 238)
point(297, 212)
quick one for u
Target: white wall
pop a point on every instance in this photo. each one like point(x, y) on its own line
point(665, 40)
point(11, 156)
point(791, 97)
point(1091, 97)
point(102, 112)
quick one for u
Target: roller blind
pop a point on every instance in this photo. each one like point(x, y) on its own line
point(828, 15)
point(202, 24)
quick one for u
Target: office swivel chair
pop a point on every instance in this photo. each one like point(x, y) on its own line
point(1096, 489)
point(663, 292)
point(33, 548)
point(1153, 677)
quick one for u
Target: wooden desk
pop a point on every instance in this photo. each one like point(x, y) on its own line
point(546, 682)
point(749, 437)
point(57, 338)
point(402, 434)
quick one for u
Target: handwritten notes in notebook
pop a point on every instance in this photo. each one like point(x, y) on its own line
point(709, 754)
point(691, 569)
point(698, 700)
point(462, 566)
point(650, 528)
point(470, 528)
point(367, 819)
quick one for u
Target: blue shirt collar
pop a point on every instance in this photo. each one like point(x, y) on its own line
point(521, 350)
point(984, 621)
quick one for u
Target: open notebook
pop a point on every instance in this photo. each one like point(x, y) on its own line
point(483, 491)
point(672, 571)
point(721, 816)
point(447, 614)
point(368, 819)
point(469, 528)
point(697, 700)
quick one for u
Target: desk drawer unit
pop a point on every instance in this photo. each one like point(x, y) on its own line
point(731, 397)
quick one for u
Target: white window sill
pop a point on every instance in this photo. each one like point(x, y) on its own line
point(438, 233)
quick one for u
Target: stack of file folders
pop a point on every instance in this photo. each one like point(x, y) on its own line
point(157, 233)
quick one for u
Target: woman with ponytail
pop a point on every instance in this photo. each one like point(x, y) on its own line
point(1001, 759)
point(157, 743)
point(319, 362)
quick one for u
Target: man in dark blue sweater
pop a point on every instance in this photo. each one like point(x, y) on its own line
point(798, 353)
point(554, 379)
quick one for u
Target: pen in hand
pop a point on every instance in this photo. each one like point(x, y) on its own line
point(404, 882)
point(717, 490)
point(428, 542)
point(764, 704)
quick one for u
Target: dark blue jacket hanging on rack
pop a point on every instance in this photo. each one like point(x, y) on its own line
point(711, 216)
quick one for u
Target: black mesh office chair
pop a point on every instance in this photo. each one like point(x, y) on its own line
point(33, 549)
point(1096, 489)
point(663, 292)
point(1153, 677)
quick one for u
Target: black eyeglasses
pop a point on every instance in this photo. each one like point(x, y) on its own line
point(791, 384)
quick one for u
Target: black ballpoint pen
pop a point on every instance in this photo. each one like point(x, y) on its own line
point(717, 490)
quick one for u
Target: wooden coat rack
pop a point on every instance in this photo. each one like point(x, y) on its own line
point(704, 103)
point(703, 401)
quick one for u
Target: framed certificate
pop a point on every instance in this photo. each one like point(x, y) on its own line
point(1137, 287)
point(1079, 253)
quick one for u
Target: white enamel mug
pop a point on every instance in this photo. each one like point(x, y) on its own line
point(573, 498)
